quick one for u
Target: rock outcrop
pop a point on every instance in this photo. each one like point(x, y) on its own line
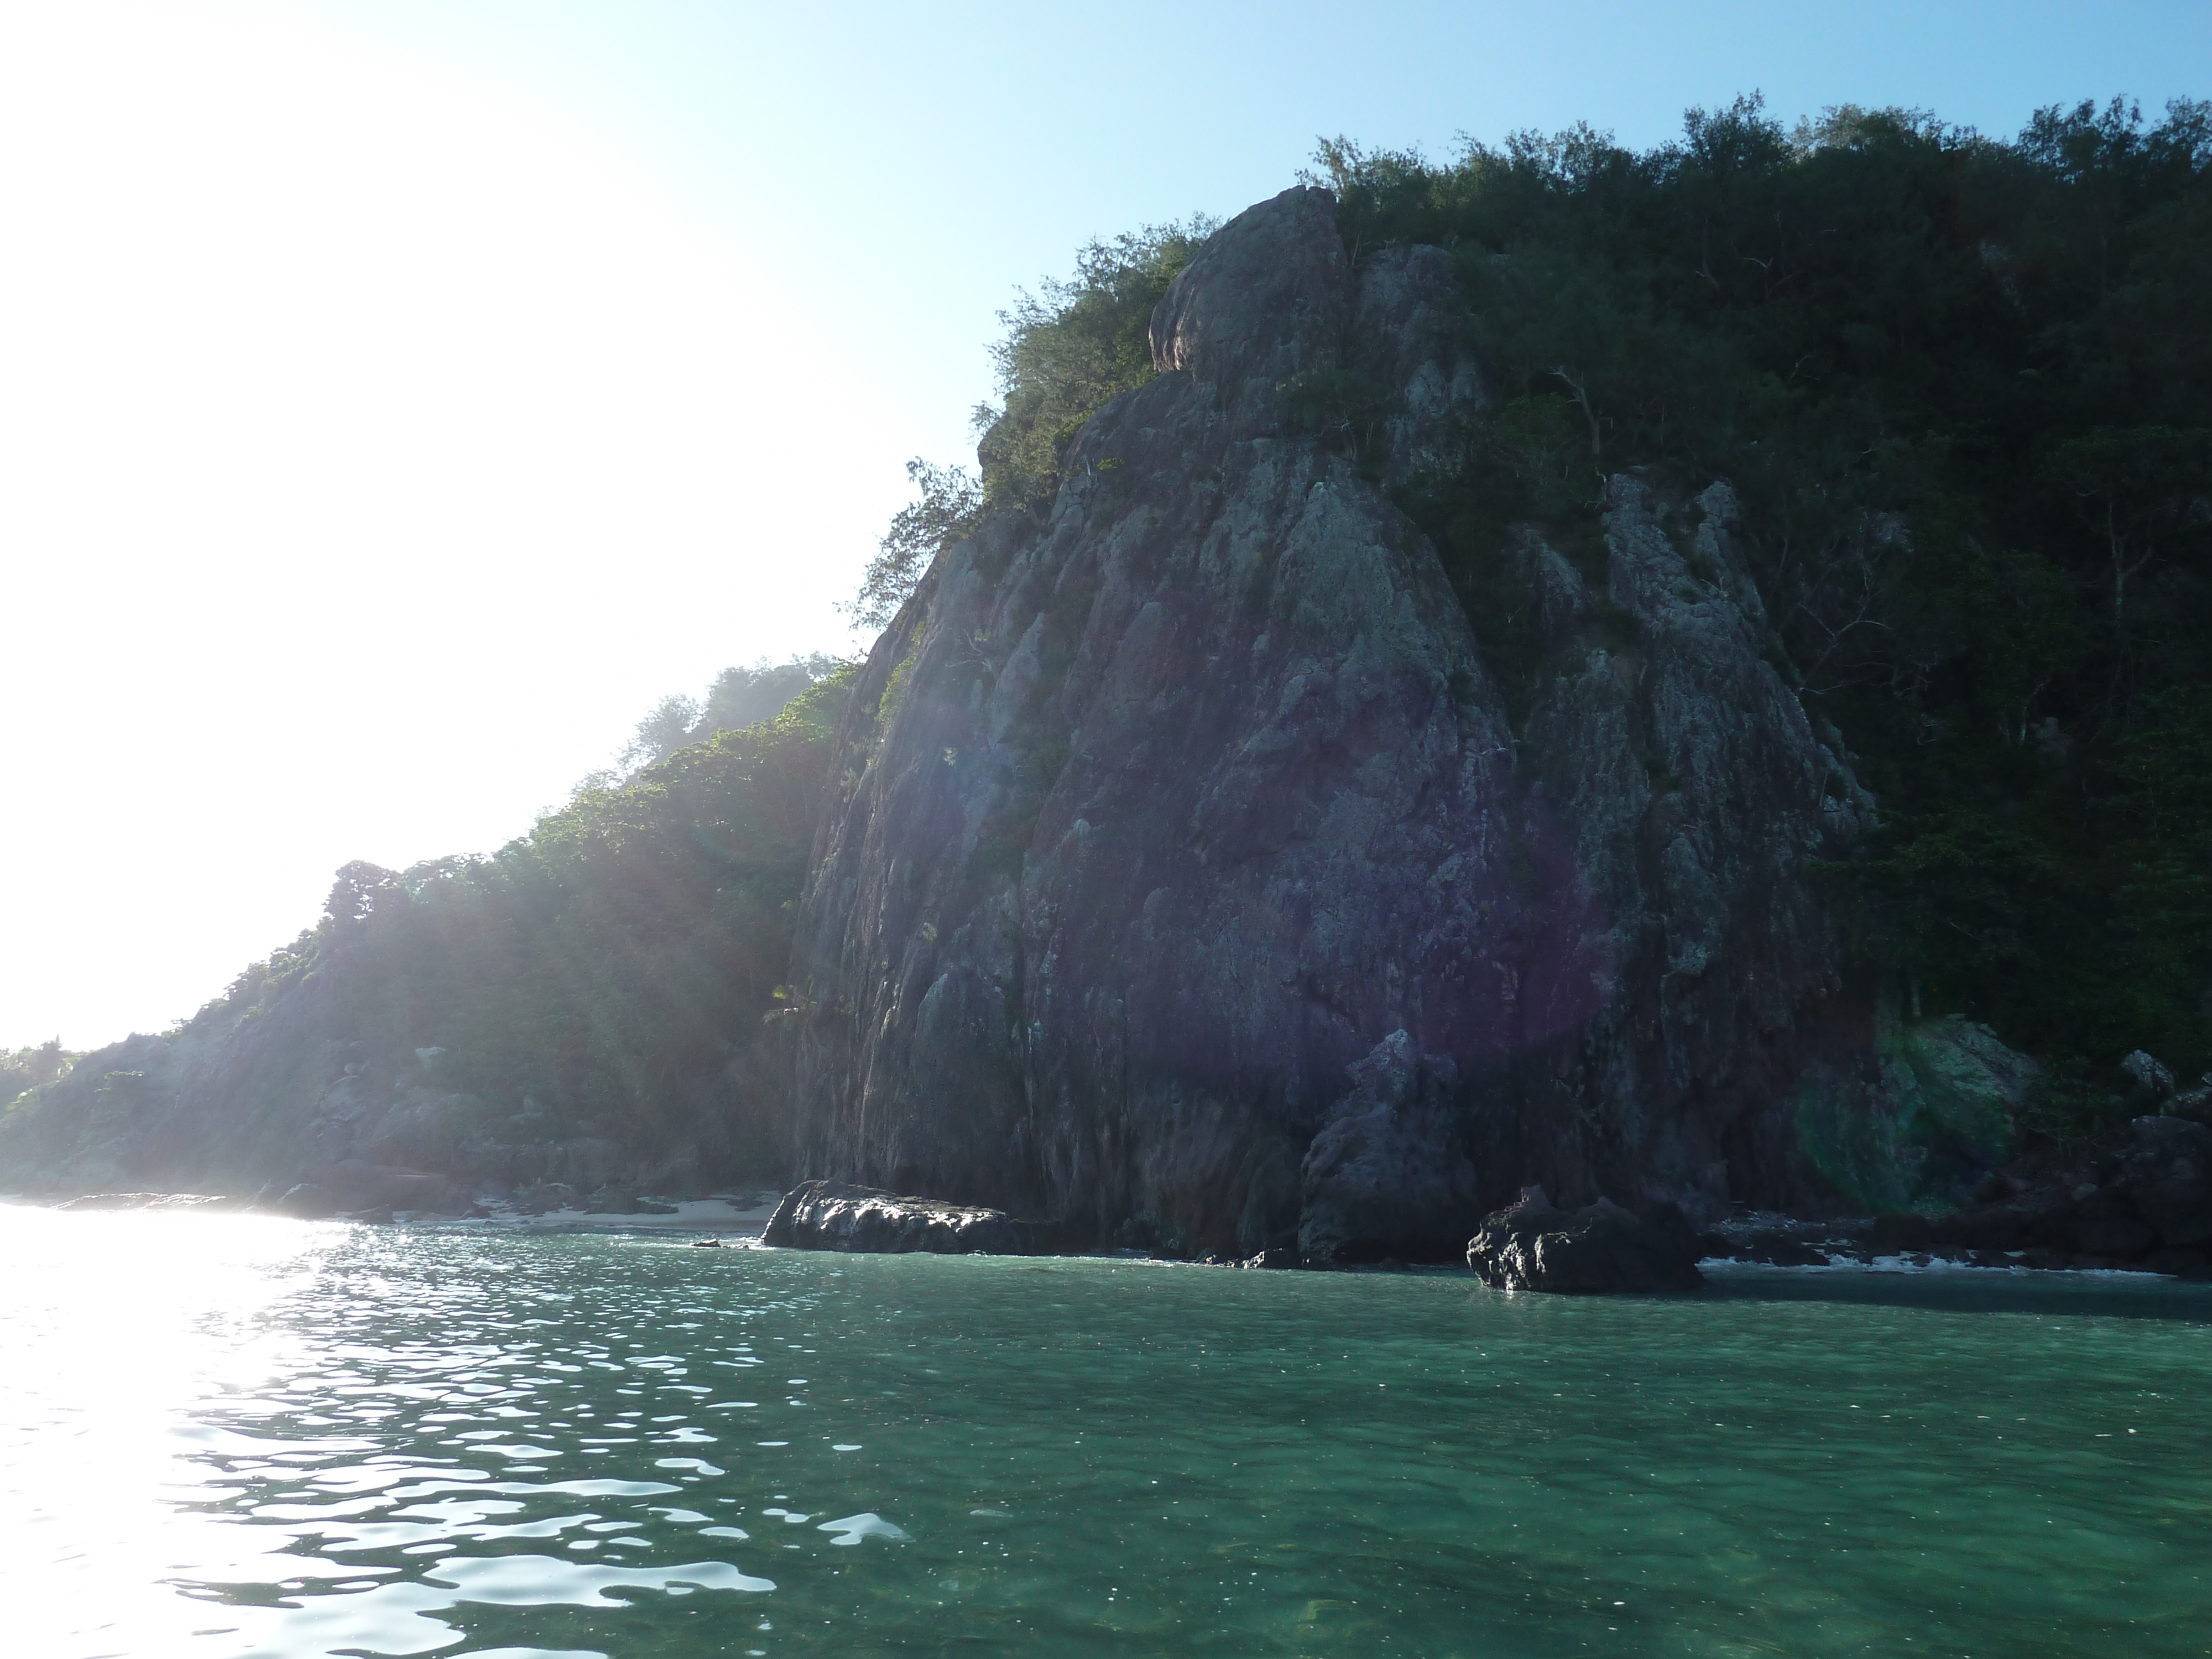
point(1190, 876)
point(829, 1215)
point(2147, 1205)
point(1600, 1249)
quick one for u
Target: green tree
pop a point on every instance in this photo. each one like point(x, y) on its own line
point(947, 506)
point(1070, 347)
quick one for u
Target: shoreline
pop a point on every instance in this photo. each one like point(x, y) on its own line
point(741, 1219)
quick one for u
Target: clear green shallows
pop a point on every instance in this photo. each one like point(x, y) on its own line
point(227, 1436)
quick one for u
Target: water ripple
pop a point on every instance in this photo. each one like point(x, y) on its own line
point(310, 1440)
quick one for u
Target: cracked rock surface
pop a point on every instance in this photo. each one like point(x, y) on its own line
point(1188, 878)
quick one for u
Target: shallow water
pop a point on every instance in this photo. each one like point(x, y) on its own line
point(235, 1436)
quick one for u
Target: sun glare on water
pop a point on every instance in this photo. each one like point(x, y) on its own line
point(117, 1327)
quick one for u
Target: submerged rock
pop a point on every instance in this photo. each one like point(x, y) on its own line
point(1533, 1245)
point(831, 1215)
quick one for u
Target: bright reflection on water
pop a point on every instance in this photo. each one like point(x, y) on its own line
point(244, 1437)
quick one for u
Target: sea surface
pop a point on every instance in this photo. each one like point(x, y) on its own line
point(229, 1436)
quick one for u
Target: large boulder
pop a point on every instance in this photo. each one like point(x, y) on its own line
point(2166, 1174)
point(831, 1215)
point(1164, 802)
point(1533, 1245)
point(1929, 1129)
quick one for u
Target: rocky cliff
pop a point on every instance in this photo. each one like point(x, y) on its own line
point(1189, 873)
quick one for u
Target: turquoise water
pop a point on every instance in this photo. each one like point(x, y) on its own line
point(230, 1436)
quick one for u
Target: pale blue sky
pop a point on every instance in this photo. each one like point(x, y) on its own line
point(922, 160)
point(401, 395)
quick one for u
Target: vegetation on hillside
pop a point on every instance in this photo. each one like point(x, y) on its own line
point(26, 1069)
point(1964, 389)
point(739, 698)
point(1071, 346)
point(1066, 349)
point(947, 505)
point(604, 976)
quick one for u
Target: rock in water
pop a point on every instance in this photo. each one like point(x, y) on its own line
point(146, 1201)
point(1166, 801)
point(829, 1215)
point(1533, 1245)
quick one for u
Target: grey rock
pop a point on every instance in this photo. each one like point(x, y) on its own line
point(1197, 789)
point(2001, 1226)
point(1900, 1231)
point(2148, 1075)
point(541, 1196)
point(1599, 1250)
point(1383, 1178)
point(2195, 1103)
point(2119, 1236)
point(356, 1185)
point(2166, 1174)
point(831, 1215)
point(1407, 343)
point(308, 1201)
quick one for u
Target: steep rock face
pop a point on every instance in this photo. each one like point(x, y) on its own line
point(1675, 790)
point(1181, 823)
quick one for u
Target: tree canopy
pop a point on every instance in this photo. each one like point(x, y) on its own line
point(1963, 388)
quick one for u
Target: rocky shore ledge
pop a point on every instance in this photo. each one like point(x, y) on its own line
point(2146, 1208)
point(832, 1215)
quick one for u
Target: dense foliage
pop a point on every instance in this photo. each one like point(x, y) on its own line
point(1071, 346)
point(949, 500)
point(1066, 349)
point(618, 954)
point(1964, 389)
point(739, 698)
point(26, 1069)
point(606, 978)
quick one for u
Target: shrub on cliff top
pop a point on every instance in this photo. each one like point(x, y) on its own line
point(1071, 346)
point(1068, 349)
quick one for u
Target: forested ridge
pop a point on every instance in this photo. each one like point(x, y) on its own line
point(1961, 388)
point(585, 1004)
